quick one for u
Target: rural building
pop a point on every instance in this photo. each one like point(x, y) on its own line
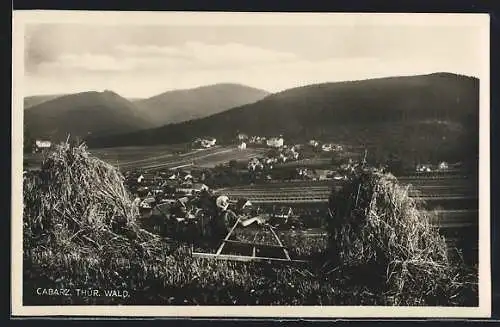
point(254, 163)
point(275, 142)
point(424, 168)
point(242, 146)
point(206, 142)
point(242, 137)
point(303, 172)
point(257, 139)
point(443, 165)
point(187, 175)
point(337, 147)
point(190, 188)
point(42, 145)
point(326, 147)
point(313, 143)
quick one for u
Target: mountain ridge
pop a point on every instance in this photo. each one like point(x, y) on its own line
point(332, 110)
point(180, 105)
point(81, 114)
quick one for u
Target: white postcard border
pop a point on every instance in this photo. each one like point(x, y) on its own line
point(21, 18)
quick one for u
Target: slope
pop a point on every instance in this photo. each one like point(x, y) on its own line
point(183, 105)
point(82, 114)
point(409, 114)
point(34, 100)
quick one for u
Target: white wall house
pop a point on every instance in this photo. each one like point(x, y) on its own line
point(208, 142)
point(313, 143)
point(443, 165)
point(275, 142)
point(42, 145)
point(326, 147)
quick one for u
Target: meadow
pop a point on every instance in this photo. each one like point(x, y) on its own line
point(161, 157)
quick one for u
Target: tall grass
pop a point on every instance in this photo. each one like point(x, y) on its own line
point(176, 278)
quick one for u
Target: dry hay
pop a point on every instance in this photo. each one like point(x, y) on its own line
point(379, 230)
point(77, 202)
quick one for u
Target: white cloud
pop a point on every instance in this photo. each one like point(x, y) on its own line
point(89, 62)
point(180, 59)
point(204, 55)
point(235, 53)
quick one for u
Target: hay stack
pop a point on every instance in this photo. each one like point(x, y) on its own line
point(386, 235)
point(79, 202)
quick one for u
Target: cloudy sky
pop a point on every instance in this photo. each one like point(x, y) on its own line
point(141, 61)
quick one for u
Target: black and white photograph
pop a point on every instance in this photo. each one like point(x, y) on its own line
point(250, 164)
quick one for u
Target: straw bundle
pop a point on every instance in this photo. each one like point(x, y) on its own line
point(378, 229)
point(77, 199)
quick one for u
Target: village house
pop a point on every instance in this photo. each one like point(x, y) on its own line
point(424, 168)
point(242, 137)
point(192, 188)
point(326, 147)
point(275, 142)
point(254, 164)
point(257, 139)
point(313, 143)
point(206, 142)
point(443, 166)
point(41, 145)
point(303, 172)
point(337, 147)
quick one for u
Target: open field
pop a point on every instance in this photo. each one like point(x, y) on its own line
point(162, 157)
point(206, 158)
point(129, 155)
point(427, 189)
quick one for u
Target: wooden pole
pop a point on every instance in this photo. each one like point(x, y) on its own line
point(359, 185)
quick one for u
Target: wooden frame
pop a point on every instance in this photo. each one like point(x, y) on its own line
point(245, 258)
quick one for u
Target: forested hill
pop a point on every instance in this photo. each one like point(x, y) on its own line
point(436, 112)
